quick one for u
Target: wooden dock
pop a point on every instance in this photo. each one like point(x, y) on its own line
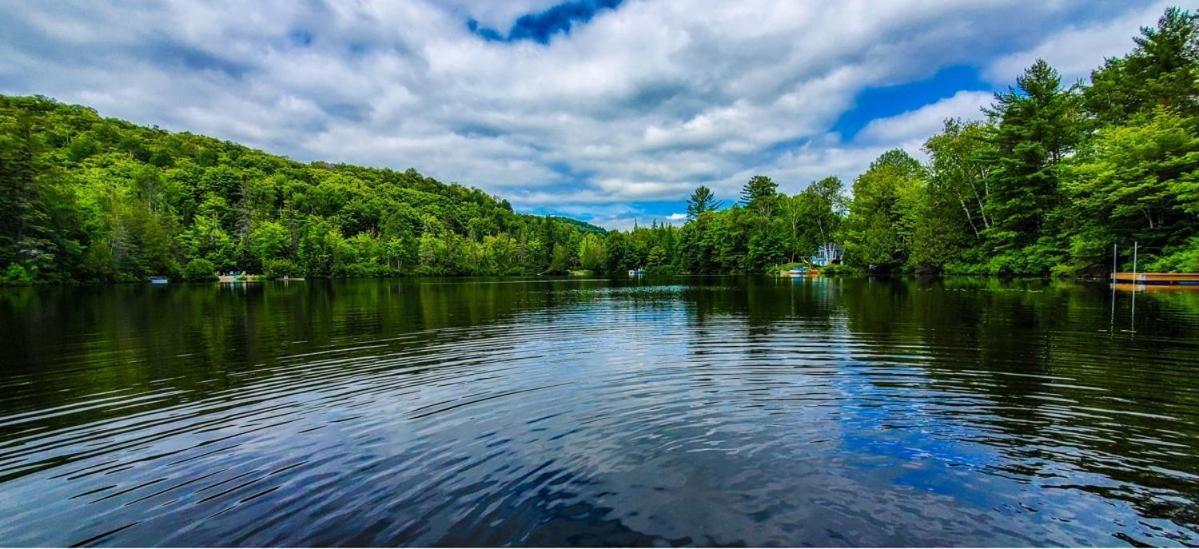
point(1157, 279)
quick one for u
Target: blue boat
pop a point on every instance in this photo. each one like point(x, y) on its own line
point(159, 280)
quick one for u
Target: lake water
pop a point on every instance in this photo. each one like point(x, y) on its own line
point(593, 412)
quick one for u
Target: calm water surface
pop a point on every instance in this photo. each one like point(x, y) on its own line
point(826, 412)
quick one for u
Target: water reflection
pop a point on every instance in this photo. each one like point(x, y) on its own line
point(691, 411)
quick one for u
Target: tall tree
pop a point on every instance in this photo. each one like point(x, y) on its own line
point(760, 195)
point(958, 168)
point(702, 200)
point(825, 207)
point(1036, 124)
point(1135, 182)
point(1161, 71)
point(593, 252)
point(879, 227)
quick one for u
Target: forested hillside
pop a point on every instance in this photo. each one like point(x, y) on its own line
point(86, 198)
point(1047, 180)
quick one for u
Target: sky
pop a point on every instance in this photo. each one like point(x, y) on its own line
point(608, 111)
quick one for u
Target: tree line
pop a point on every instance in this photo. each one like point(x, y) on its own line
point(1046, 182)
point(87, 198)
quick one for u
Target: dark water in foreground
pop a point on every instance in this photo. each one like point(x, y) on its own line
point(828, 412)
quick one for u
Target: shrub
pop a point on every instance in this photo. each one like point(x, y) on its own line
point(839, 269)
point(16, 275)
point(278, 268)
point(199, 270)
point(1178, 259)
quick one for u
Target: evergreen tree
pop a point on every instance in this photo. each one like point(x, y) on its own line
point(1036, 124)
point(702, 200)
point(1162, 71)
point(760, 195)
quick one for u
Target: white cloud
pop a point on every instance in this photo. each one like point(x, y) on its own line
point(919, 124)
point(1078, 50)
point(644, 102)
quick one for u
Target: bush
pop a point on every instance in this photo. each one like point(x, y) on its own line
point(839, 269)
point(1178, 259)
point(199, 270)
point(660, 271)
point(279, 268)
point(16, 275)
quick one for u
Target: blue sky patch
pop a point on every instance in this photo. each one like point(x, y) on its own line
point(883, 102)
point(540, 26)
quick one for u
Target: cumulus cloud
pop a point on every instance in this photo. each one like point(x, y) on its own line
point(628, 103)
point(917, 125)
point(1078, 50)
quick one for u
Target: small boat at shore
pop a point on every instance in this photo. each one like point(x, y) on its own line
point(159, 280)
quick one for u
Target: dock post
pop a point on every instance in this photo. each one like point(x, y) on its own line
point(1111, 327)
point(1135, 245)
point(1132, 327)
point(1114, 256)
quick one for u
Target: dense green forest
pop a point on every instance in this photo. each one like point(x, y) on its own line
point(1049, 178)
point(93, 199)
point(1046, 182)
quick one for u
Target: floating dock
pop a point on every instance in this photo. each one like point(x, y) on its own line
point(1157, 279)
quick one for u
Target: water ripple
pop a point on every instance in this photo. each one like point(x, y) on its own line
point(588, 412)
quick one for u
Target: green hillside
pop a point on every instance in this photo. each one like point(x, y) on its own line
point(89, 198)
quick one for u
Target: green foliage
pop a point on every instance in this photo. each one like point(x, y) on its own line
point(560, 260)
point(279, 268)
point(1034, 127)
point(199, 270)
point(16, 274)
point(269, 240)
point(813, 217)
point(882, 218)
point(1134, 183)
point(765, 249)
point(838, 269)
point(702, 200)
point(593, 253)
point(95, 199)
point(760, 194)
point(1161, 72)
point(1182, 258)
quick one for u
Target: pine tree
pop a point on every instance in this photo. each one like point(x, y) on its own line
point(702, 200)
point(1162, 71)
point(759, 195)
point(1036, 124)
